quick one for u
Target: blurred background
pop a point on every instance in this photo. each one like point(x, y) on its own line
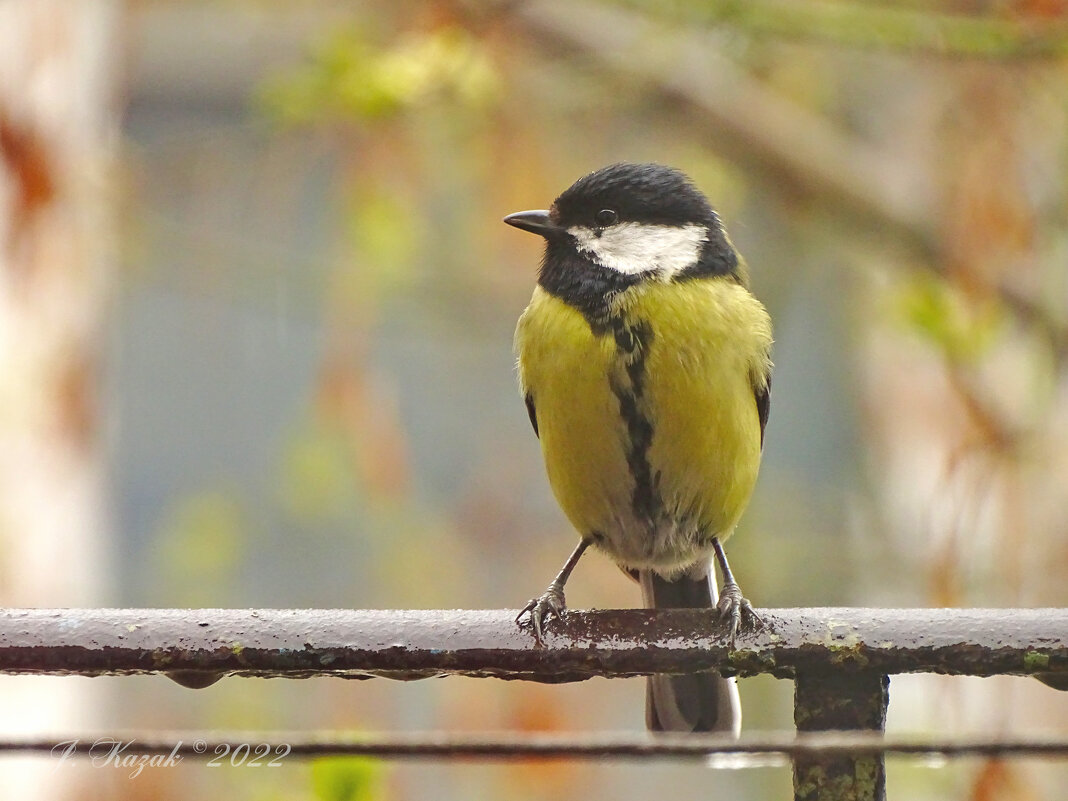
point(256, 311)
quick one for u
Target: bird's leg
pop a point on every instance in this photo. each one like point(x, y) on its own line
point(733, 606)
point(551, 602)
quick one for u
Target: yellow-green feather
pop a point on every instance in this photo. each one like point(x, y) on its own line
point(709, 350)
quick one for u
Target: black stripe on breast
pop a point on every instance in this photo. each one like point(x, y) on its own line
point(633, 340)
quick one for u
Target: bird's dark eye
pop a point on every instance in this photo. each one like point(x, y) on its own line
point(606, 217)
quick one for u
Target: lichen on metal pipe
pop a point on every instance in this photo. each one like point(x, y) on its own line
point(840, 701)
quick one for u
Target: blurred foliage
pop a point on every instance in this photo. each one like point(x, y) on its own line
point(203, 542)
point(938, 311)
point(350, 77)
point(317, 478)
point(347, 779)
point(380, 227)
point(394, 465)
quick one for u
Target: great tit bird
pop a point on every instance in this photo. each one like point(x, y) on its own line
point(645, 364)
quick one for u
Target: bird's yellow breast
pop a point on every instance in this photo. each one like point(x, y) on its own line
point(648, 423)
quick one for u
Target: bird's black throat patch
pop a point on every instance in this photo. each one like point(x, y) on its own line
point(582, 284)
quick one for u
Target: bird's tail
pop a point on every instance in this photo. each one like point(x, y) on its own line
point(705, 702)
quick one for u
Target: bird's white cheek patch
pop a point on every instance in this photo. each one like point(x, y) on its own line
point(639, 247)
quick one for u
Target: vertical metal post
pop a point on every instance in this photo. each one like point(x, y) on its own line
point(836, 701)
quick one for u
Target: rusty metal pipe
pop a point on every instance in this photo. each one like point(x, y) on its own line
point(411, 644)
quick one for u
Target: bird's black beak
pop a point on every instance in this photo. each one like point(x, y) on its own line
point(537, 222)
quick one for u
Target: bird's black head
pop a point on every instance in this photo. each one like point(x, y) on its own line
point(625, 224)
point(637, 193)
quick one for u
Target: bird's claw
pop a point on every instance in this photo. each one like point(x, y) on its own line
point(737, 611)
point(550, 602)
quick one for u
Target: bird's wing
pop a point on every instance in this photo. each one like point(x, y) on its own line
point(762, 391)
point(534, 417)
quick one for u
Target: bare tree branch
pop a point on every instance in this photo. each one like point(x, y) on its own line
point(800, 155)
point(867, 26)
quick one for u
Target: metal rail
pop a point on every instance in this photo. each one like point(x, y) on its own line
point(297, 643)
point(534, 745)
point(839, 659)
